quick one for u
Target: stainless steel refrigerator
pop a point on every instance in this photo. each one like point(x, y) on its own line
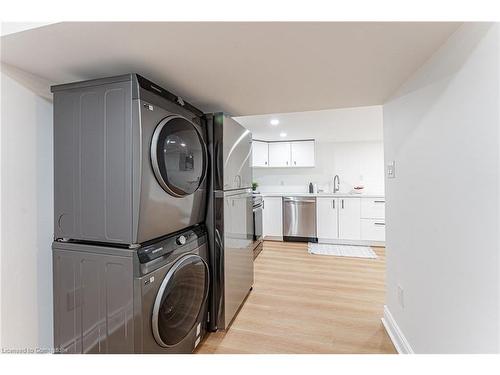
point(229, 218)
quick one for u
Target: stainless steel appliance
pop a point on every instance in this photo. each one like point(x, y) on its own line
point(118, 300)
point(130, 161)
point(229, 218)
point(258, 205)
point(173, 284)
point(299, 219)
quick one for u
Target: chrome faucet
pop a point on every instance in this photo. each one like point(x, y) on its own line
point(336, 183)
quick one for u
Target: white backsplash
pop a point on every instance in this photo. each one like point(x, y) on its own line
point(354, 162)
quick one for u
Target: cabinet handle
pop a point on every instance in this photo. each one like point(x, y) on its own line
point(379, 223)
point(295, 162)
point(263, 202)
point(286, 163)
point(342, 204)
point(378, 201)
point(333, 204)
point(265, 163)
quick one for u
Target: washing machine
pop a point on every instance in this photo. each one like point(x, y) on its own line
point(130, 161)
point(110, 299)
point(173, 290)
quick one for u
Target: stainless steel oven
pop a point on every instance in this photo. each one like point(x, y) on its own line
point(257, 225)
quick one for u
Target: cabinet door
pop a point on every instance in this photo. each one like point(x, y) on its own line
point(349, 218)
point(260, 154)
point(272, 212)
point(373, 208)
point(326, 218)
point(279, 154)
point(373, 229)
point(302, 154)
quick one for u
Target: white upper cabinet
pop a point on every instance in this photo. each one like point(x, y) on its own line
point(279, 154)
point(303, 154)
point(284, 154)
point(260, 154)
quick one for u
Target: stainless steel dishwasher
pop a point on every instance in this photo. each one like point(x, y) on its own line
point(299, 219)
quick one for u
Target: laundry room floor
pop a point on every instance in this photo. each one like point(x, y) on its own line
point(303, 303)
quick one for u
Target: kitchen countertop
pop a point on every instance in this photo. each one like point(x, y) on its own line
point(337, 195)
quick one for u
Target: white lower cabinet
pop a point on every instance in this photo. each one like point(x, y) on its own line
point(356, 220)
point(373, 219)
point(349, 218)
point(372, 208)
point(373, 229)
point(327, 218)
point(272, 217)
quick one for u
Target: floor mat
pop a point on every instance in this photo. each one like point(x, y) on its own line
point(341, 250)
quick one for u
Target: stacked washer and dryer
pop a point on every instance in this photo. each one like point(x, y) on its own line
point(130, 251)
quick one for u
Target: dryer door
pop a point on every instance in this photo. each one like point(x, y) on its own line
point(178, 156)
point(180, 300)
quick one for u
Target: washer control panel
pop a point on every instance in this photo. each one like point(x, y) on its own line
point(181, 240)
point(167, 245)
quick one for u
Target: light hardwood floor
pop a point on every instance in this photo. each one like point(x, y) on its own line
point(304, 303)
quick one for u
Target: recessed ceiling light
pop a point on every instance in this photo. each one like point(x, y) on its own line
point(275, 121)
point(282, 134)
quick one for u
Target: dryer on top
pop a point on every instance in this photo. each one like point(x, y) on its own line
point(130, 161)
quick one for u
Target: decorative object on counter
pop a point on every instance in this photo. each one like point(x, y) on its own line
point(341, 250)
point(311, 187)
point(358, 189)
point(255, 185)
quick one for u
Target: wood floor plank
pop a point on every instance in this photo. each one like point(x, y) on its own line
point(303, 303)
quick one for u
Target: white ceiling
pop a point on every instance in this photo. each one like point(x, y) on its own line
point(334, 125)
point(241, 68)
point(15, 27)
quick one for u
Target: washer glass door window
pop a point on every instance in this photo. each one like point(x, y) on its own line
point(178, 155)
point(180, 300)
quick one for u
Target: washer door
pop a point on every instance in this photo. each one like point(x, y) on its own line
point(180, 300)
point(178, 156)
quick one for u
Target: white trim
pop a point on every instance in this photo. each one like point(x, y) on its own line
point(352, 242)
point(273, 238)
point(398, 339)
point(336, 241)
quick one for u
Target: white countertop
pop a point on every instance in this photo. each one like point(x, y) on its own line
point(337, 195)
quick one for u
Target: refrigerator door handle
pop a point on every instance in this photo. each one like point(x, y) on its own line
point(217, 309)
point(219, 250)
point(218, 240)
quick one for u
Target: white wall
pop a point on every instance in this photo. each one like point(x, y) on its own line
point(442, 213)
point(26, 215)
point(354, 162)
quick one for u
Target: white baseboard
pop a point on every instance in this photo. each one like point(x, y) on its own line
point(273, 238)
point(398, 339)
point(336, 242)
point(352, 242)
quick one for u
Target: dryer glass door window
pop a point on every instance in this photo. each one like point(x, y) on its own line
point(180, 300)
point(178, 155)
